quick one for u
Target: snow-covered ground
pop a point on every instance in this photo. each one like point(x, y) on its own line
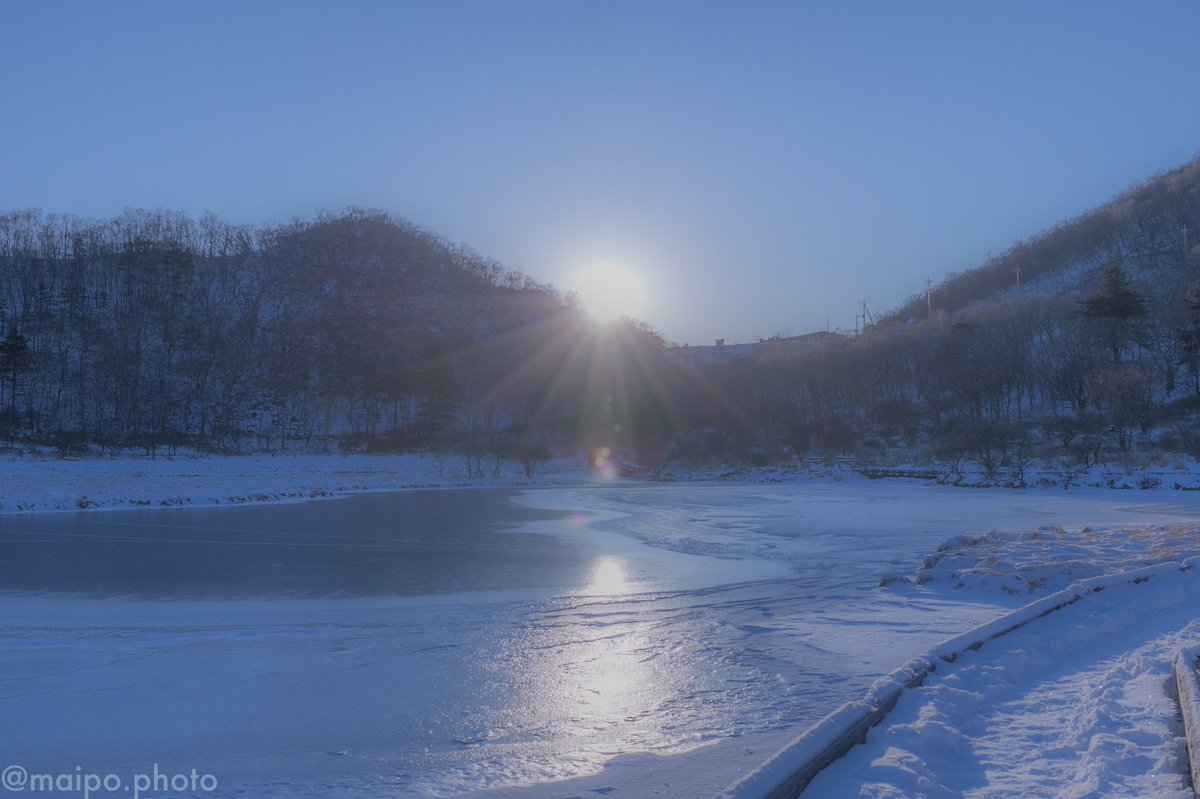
point(1076, 704)
point(45, 483)
point(717, 620)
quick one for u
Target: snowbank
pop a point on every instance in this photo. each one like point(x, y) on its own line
point(1033, 562)
point(789, 771)
point(1074, 705)
point(35, 483)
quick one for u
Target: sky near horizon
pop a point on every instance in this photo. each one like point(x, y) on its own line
point(762, 167)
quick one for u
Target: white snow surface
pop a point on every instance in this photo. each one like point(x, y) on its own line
point(745, 612)
point(1034, 562)
point(1076, 704)
point(37, 482)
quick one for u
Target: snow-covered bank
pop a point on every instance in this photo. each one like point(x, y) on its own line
point(1075, 704)
point(1033, 562)
point(42, 482)
point(33, 483)
point(790, 770)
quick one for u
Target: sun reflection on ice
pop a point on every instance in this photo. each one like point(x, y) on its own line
point(608, 577)
point(610, 689)
point(594, 674)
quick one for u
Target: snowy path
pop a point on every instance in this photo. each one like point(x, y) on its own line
point(1075, 705)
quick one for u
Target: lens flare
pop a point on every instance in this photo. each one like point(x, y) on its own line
point(605, 467)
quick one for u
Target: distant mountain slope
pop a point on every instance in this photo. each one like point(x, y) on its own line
point(1151, 230)
point(156, 327)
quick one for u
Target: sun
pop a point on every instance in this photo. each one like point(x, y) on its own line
point(609, 291)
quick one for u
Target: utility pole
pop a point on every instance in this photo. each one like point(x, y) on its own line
point(928, 297)
point(1018, 271)
point(866, 315)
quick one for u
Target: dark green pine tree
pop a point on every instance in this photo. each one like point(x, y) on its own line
point(1114, 306)
point(1114, 298)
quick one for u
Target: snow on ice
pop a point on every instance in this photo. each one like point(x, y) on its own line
point(735, 615)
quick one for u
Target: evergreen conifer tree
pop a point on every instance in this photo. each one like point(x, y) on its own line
point(1114, 305)
point(1114, 297)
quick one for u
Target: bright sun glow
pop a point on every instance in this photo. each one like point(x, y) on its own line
point(609, 291)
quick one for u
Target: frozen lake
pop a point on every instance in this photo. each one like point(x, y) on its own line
point(616, 640)
point(399, 543)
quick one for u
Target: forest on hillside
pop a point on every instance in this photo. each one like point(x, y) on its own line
point(1078, 346)
point(1153, 227)
point(362, 332)
point(356, 331)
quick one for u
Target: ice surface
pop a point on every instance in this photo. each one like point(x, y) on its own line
point(712, 624)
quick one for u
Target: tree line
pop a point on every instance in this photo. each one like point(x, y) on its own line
point(362, 332)
point(1093, 357)
point(355, 332)
point(1065, 381)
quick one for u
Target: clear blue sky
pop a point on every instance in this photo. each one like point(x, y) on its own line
point(764, 166)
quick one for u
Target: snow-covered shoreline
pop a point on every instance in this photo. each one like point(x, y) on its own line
point(40, 484)
point(823, 746)
point(32, 483)
point(1075, 703)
